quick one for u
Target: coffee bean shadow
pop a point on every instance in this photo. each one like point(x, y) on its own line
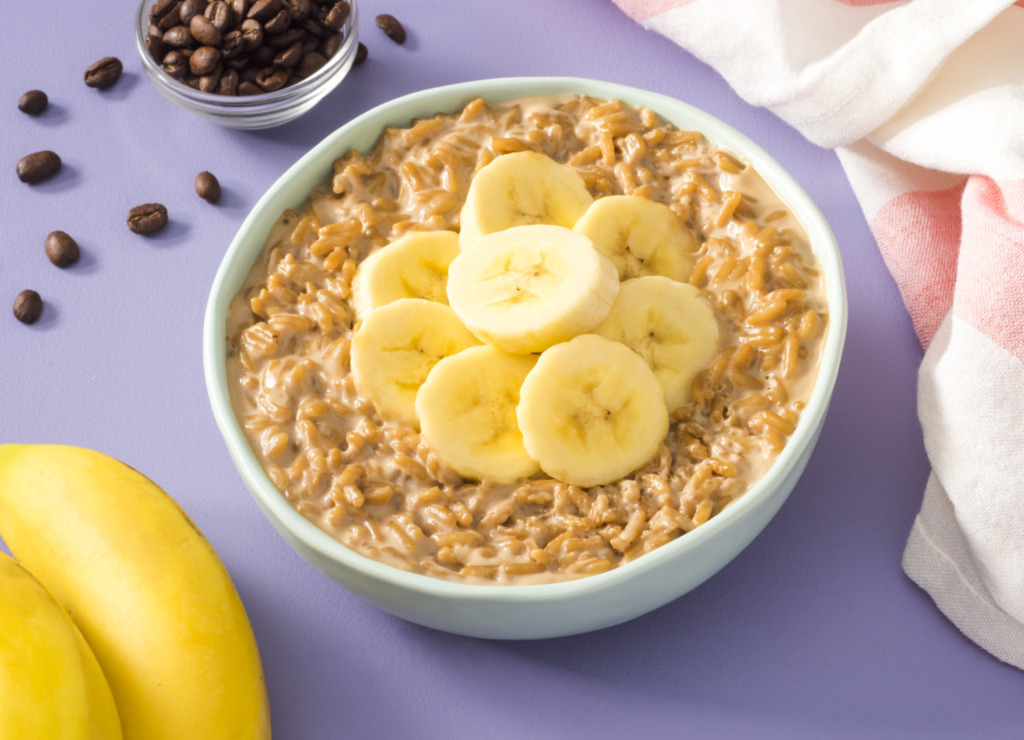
point(173, 234)
point(49, 317)
point(66, 178)
point(122, 88)
point(54, 115)
point(87, 263)
point(412, 41)
point(230, 199)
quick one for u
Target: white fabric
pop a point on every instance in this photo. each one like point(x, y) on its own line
point(923, 101)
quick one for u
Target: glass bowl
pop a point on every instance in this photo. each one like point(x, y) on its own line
point(265, 110)
point(549, 609)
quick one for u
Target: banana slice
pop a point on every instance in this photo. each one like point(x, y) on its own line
point(414, 266)
point(641, 236)
point(591, 411)
point(522, 188)
point(670, 325)
point(467, 411)
point(394, 350)
point(529, 287)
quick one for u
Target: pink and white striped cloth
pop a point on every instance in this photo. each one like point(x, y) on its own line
point(923, 100)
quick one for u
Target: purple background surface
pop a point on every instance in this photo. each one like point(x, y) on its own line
point(812, 632)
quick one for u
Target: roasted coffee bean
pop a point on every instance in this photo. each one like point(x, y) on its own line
point(160, 8)
point(280, 22)
point(155, 46)
point(104, 73)
point(147, 218)
point(33, 102)
point(249, 88)
point(239, 8)
point(61, 248)
point(310, 63)
point(239, 63)
point(290, 56)
point(337, 15)
point(231, 45)
point(203, 60)
point(272, 78)
point(203, 31)
point(178, 37)
point(209, 82)
point(331, 44)
point(38, 166)
point(207, 187)
point(175, 64)
point(262, 57)
point(166, 13)
point(28, 306)
point(361, 53)
point(313, 28)
point(264, 10)
point(391, 28)
point(228, 84)
point(190, 9)
point(286, 38)
point(252, 35)
point(220, 15)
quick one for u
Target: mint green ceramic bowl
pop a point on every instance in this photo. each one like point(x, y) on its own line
point(530, 611)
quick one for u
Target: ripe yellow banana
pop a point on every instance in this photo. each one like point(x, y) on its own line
point(467, 411)
point(144, 586)
point(396, 347)
point(413, 266)
point(641, 236)
point(591, 411)
point(51, 687)
point(521, 188)
point(529, 287)
point(670, 325)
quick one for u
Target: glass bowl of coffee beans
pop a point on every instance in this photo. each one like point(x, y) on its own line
point(247, 64)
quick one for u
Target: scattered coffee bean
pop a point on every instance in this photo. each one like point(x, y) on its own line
point(207, 187)
point(33, 102)
point(361, 54)
point(391, 28)
point(28, 306)
point(267, 44)
point(147, 218)
point(61, 249)
point(38, 166)
point(104, 73)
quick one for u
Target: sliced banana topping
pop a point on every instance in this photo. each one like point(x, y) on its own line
point(522, 188)
point(413, 266)
point(641, 236)
point(591, 411)
point(526, 288)
point(467, 411)
point(396, 347)
point(670, 325)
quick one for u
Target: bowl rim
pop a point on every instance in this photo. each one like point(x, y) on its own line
point(324, 79)
point(251, 236)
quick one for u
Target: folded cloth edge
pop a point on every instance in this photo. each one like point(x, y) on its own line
point(937, 559)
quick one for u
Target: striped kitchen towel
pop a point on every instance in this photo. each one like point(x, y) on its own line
point(923, 101)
